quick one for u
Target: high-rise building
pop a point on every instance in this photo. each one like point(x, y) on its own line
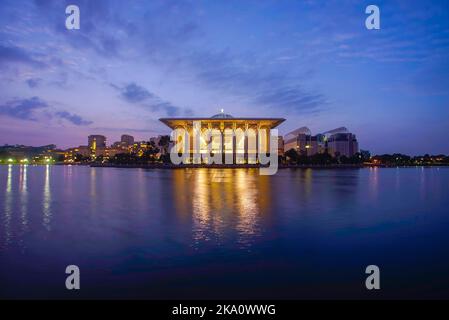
point(127, 140)
point(96, 141)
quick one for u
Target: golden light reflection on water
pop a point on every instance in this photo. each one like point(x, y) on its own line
point(23, 197)
point(68, 180)
point(248, 207)
point(202, 206)
point(308, 181)
point(142, 190)
point(46, 201)
point(222, 203)
point(93, 200)
point(93, 182)
point(8, 207)
point(373, 183)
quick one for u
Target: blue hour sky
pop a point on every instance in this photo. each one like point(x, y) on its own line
point(311, 62)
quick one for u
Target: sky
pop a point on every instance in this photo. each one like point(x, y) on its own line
point(313, 63)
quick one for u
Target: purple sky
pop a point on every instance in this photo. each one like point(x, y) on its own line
point(311, 62)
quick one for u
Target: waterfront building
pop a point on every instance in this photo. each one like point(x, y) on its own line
point(117, 144)
point(81, 150)
point(301, 141)
point(97, 145)
point(238, 139)
point(98, 151)
point(337, 142)
point(96, 141)
point(280, 146)
point(127, 140)
point(125, 144)
point(112, 152)
point(71, 153)
point(342, 144)
point(140, 147)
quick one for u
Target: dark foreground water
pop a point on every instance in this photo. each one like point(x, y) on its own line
point(201, 233)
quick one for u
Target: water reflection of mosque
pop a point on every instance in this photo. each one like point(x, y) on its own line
point(223, 203)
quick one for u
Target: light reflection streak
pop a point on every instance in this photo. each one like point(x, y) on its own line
point(225, 202)
point(422, 184)
point(68, 180)
point(8, 207)
point(201, 206)
point(93, 181)
point(142, 190)
point(93, 190)
point(23, 197)
point(46, 203)
point(374, 182)
point(248, 208)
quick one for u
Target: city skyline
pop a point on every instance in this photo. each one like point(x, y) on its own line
point(313, 63)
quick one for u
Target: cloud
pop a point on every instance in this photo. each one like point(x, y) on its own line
point(11, 54)
point(126, 129)
point(73, 118)
point(102, 27)
point(292, 99)
point(138, 95)
point(134, 93)
point(23, 108)
point(168, 33)
point(253, 80)
point(27, 109)
point(34, 82)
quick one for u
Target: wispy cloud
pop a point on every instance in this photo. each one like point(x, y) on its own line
point(33, 82)
point(73, 118)
point(12, 54)
point(138, 95)
point(31, 109)
point(254, 81)
point(134, 93)
point(23, 109)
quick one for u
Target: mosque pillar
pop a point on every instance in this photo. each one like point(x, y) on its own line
point(190, 131)
point(234, 144)
point(222, 130)
point(257, 144)
point(245, 144)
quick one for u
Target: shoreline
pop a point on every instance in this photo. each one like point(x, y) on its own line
point(255, 166)
point(230, 166)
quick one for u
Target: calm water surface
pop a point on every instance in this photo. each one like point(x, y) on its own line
point(211, 233)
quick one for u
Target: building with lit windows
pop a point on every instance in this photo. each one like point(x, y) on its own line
point(127, 140)
point(243, 138)
point(342, 144)
point(336, 142)
point(96, 141)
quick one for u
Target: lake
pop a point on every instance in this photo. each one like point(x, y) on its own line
point(223, 233)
